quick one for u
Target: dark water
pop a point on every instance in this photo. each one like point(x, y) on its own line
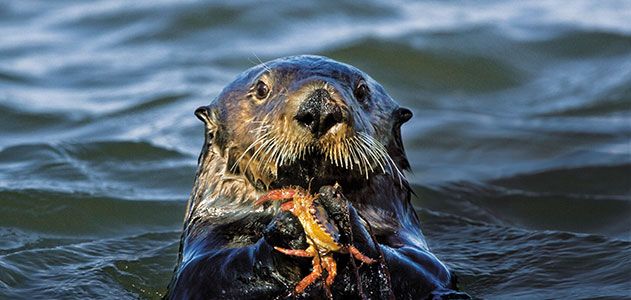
point(520, 144)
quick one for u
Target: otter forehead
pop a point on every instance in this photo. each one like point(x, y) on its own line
point(287, 75)
point(306, 66)
point(294, 69)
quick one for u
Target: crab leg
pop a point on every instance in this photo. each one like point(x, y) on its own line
point(295, 252)
point(331, 268)
point(309, 279)
point(287, 206)
point(359, 256)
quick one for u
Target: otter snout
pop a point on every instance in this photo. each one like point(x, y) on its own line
point(318, 113)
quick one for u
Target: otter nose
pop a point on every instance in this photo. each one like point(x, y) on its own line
point(318, 112)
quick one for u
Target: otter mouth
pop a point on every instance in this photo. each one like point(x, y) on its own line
point(351, 168)
point(314, 171)
point(278, 160)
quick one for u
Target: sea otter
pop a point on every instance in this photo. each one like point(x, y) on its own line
point(308, 122)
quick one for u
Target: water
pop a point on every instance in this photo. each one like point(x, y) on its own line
point(520, 144)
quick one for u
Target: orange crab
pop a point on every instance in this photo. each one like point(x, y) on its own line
point(322, 235)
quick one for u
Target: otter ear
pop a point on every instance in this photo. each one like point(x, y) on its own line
point(203, 113)
point(207, 115)
point(402, 115)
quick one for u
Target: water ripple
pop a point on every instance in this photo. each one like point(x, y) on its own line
point(519, 144)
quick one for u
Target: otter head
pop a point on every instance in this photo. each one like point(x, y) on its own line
point(307, 121)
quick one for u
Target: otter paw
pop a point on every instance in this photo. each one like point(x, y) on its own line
point(335, 203)
point(285, 231)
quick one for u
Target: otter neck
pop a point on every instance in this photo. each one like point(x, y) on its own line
point(218, 195)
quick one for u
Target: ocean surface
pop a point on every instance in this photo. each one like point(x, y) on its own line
point(520, 144)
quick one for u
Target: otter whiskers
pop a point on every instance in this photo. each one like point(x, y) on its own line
point(274, 148)
point(382, 153)
point(363, 151)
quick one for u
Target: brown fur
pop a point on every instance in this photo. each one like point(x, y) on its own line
point(253, 145)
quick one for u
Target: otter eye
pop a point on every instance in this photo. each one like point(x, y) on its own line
point(362, 92)
point(261, 90)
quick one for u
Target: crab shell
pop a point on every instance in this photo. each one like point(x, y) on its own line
point(320, 231)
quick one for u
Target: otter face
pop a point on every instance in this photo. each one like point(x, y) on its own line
point(294, 119)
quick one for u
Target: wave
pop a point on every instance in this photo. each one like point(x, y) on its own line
point(76, 214)
point(496, 261)
point(132, 170)
point(123, 267)
point(569, 199)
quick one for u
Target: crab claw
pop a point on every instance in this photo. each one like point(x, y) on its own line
point(280, 194)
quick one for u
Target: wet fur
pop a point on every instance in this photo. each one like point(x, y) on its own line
point(238, 164)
